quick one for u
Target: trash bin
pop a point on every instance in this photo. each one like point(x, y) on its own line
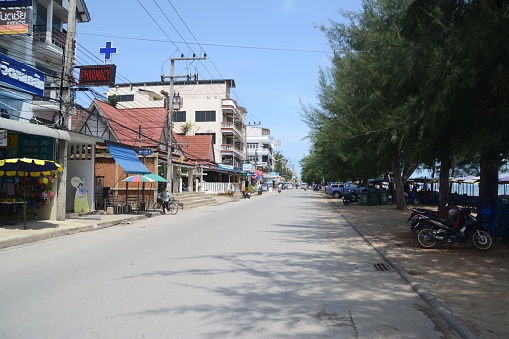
point(364, 198)
point(384, 197)
point(373, 196)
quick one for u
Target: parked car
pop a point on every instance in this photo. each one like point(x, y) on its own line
point(304, 185)
point(338, 190)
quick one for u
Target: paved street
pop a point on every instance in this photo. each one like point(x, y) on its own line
point(278, 266)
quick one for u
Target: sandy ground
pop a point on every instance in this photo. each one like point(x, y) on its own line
point(472, 284)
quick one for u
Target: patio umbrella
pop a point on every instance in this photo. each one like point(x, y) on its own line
point(139, 178)
point(25, 167)
point(155, 177)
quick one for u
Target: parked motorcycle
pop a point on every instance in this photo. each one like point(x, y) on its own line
point(246, 194)
point(260, 191)
point(279, 189)
point(461, 226)
point(418, 218)
point(351, 198)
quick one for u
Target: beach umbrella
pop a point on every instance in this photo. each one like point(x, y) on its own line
point(26, 167)
point(155, 177)
point(138, 178)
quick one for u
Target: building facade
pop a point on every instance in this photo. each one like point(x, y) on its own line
point(31, 52)
point(206, 108)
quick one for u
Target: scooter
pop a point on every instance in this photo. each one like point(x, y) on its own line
point(279, 189)
point(260, 191)
point(246, 195)
point(461, 226)
point(351, 197)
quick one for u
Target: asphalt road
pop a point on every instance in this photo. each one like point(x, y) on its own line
point(277, 266)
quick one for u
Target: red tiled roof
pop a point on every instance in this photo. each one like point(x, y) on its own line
point(197, 148)
point(126, 123)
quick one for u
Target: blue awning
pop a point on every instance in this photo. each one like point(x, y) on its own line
point(127, 159)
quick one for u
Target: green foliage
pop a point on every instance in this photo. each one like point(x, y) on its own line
point(411, 82)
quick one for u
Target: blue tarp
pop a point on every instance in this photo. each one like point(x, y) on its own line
point(127, 159)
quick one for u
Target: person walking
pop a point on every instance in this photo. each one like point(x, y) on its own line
point(166, 199)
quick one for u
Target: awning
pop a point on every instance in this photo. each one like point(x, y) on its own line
point(29, 128)
point(127, 159)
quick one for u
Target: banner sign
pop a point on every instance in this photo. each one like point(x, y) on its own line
point(99, 75)
point(14, 21)
point(21, 76)
point(15, 3)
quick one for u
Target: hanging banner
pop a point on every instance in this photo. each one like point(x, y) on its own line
point(21, 76)
point(14, 21)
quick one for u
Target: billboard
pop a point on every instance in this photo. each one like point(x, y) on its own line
point(98, 75)
point(21, 76)
point(15, 3)
point(14, 21)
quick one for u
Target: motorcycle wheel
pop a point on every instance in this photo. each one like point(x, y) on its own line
point(424, 239)
point(346, 202)
point(481, 240)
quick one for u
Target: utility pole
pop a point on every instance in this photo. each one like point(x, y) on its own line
point(65, 107)
point(170, 105)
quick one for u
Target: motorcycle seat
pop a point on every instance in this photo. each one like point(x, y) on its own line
point(446, 222)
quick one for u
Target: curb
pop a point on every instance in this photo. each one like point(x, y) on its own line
point(435, 305)
point(68, 231)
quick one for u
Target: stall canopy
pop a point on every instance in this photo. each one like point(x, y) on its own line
point(127, 159)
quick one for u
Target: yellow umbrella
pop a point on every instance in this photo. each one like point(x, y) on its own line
point(25, 167)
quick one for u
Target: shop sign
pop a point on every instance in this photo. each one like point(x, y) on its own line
point(14, 21)
point(15, 3)
point(144, 151)
point(97, 75)
point(35, 147)
point(21, 76)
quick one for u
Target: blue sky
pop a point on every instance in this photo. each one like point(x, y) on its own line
point(271, 48)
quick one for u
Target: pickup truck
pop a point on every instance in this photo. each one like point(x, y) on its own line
point(338, 190)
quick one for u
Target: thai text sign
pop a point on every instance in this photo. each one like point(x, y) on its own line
point(14, 21)
point(97, 75)
point(35, 147)
point(21, 76)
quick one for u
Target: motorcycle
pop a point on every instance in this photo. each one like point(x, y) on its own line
point(418, 218)
point(461, 226)
point(351, 197)
point(260, 191)
point(246, 194)
point(279, 189)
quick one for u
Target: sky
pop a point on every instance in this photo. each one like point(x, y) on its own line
point(271, 48)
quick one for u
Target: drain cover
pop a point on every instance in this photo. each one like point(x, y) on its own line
point(382, 267)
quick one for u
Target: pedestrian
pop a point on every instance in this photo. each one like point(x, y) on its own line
point(166, 200)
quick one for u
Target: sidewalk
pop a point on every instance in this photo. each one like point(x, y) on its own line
point(12, 232)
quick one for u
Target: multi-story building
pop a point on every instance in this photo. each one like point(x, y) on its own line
point(260, 150)
point(32, 42)
point(206, 109)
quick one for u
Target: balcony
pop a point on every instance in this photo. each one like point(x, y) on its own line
point(229, 128)
point(231, 150)
point(54, 47)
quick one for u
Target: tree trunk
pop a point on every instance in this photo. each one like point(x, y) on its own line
point(443, 194)
point(398, 182)
point(488, 186)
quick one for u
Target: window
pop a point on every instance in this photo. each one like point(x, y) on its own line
point(203, 116)
point(126, 97)
point(213, 136)
point(179, 116)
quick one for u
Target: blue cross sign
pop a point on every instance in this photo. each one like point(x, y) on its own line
point(108, 51)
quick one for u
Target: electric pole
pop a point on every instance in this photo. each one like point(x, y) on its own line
point(65, 107)
point(172, 106)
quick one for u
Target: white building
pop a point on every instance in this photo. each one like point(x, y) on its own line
point(260, 149)
point(206, 109)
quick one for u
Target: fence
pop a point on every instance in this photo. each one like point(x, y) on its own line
point(219, 187)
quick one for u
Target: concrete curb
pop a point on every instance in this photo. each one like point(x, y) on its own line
point(437, 307)
point(69, 230)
